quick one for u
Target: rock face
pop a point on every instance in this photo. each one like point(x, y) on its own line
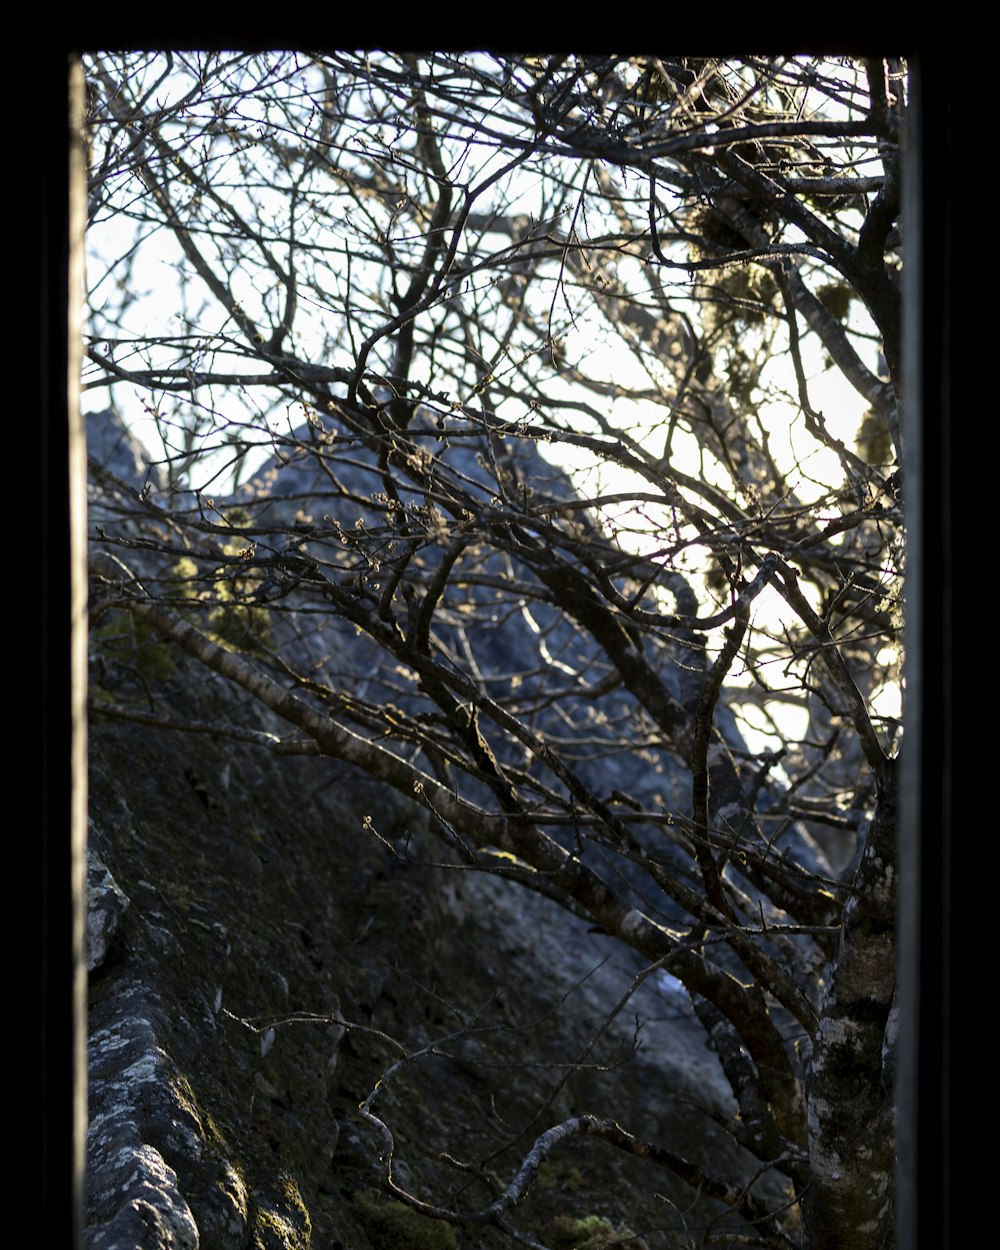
point(271, 936)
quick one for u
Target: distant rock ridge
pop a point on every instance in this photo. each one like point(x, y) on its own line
point(263, 924)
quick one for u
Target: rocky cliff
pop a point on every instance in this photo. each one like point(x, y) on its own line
point(272, 936)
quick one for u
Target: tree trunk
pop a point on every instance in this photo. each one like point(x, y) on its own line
point(849, 1099)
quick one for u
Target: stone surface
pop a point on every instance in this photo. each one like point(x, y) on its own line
point(106, 906)
point(289, 937)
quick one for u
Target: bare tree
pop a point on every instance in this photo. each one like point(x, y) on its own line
point(550, 347)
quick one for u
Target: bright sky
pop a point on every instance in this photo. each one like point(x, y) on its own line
point(808, 468)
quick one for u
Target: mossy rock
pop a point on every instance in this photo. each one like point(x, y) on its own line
point(559, 1176)
point(588, 1232)
point(282, 1223)
point(232, 623)
point(393, 1226)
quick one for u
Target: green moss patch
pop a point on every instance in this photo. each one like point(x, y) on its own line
point(393, 1226)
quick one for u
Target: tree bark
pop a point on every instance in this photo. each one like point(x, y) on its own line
point(849, 1205)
